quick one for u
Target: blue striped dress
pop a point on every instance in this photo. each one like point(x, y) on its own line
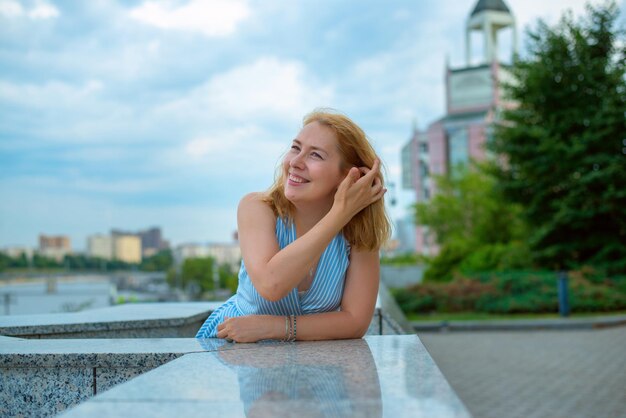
point(324, 294)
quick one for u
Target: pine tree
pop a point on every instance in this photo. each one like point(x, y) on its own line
point(564, 144)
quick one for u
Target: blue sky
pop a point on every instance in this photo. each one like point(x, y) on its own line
point(140, 113)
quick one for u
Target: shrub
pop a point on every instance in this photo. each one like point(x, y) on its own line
point(511, 292)
point(441, 267)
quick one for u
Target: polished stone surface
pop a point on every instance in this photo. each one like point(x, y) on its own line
point(4, 339)
point(45, 377)
point(121, 319)
point(131, 352)
point(375, 376)
point(371, 377)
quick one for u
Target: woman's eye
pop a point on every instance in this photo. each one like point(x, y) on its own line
point(295, 148)
point(316, 155)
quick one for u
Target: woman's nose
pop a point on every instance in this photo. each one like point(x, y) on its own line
point(297, 160)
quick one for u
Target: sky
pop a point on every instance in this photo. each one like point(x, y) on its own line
point(136, 114)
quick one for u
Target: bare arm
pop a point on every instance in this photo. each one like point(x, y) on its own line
point(357, 304)
point(357, 308)
point(274, 272)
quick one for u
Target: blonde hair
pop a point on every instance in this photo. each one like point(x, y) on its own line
point(370, 228)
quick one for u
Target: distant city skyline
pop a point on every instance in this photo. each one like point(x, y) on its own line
point(118, 115)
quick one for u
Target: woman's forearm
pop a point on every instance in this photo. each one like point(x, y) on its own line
point(330, 326)
point(321, 326)
point(285, 269)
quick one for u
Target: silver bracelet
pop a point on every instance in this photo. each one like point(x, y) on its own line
point(293, 338)
point(287, 333)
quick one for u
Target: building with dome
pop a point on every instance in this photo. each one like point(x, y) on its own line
point(473, 101)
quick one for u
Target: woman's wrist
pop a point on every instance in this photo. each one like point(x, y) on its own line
point(339, 215)
point(276, 327)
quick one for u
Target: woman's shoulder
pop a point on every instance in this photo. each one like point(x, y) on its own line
point(254, 200)
point(254, 205)
point(254, 197)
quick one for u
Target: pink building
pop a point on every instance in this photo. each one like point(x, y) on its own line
point(473, 101)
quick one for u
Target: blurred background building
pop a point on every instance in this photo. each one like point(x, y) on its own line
point(474, 98)
point(127, 246)
point(100, 246)
point(56, 247)
point(151, 240)
point(222, 253)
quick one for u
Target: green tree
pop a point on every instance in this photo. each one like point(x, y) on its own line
point(199, 271)
point(564, 144)
point(161, 261)
point(473, 224)
point(5, 261)
point(43, 262)
point(21, 261)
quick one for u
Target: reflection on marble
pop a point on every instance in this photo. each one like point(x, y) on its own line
point(311, 380)
point(371, 377)
point(408, 375)
point(106, 378)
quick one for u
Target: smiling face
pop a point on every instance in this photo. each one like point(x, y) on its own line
point(312, 166)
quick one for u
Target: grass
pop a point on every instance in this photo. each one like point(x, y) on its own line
point(477, 316)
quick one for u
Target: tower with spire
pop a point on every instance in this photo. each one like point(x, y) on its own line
point(489, 17)
point(473, 99)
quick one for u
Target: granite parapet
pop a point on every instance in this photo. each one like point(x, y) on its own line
point(369, 377)
point(138, 320)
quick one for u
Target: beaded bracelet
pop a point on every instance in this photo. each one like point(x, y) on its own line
point(293, 337)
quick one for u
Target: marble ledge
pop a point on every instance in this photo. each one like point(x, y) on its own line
point(371, 377)
point(112, 353)
point(113, 318)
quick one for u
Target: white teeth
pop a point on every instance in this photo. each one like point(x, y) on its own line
point(296, 179)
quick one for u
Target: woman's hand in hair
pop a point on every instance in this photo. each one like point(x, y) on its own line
point(361, 187)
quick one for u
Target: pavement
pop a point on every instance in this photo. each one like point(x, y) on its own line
point(567, 323)
point(535, 373)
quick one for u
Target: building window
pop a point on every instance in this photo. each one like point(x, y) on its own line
point(458, 147)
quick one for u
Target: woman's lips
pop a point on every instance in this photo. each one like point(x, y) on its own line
point(296, 180)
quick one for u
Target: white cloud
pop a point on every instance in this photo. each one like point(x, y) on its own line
point(220, 143)
point(209, 17)
point(41, 10)
point(11, 8)
point(266, 89)
point(267, 86)
point(403, 82)
point(245, 154)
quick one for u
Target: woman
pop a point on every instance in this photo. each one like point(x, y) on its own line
point(310, 244)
